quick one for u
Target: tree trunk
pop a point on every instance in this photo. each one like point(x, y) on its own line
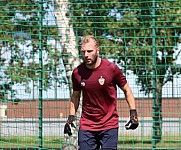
point(67, 38)
point(157, 114)
point(70, 57)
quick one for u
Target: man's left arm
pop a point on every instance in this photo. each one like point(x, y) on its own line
point(129, 96)
point(133, 122)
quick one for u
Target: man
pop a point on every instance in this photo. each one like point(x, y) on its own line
point(97, 79)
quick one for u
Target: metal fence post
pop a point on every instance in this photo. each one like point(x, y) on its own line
point(153, 75)
point(40, 103)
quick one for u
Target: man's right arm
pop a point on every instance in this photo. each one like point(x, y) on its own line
point(70, 126)
point(74, 102)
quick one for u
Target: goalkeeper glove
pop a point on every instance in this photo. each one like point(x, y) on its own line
point(133, 122)
point(70, 126)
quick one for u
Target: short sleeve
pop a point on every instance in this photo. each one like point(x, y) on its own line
point(119, 78)
point(75, 82)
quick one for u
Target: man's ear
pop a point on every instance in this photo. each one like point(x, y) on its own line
point(97, 50)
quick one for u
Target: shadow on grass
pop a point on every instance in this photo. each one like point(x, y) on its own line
point(134, 141)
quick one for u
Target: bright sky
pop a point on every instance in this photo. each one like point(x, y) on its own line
point(169, 89)
point(62, 92)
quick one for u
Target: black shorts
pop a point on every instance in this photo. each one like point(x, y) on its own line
point(93, 140)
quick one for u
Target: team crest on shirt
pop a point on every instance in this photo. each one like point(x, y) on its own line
point(101, 80)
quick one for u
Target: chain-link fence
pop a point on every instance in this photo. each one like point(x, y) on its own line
point(40, 45)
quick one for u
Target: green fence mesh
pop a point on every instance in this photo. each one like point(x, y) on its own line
point(39, 47)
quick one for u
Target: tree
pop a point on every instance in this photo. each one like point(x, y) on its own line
point(67, 38)
point(70, 55)
point(19, 45)
point(140, 35)
point(21, 29)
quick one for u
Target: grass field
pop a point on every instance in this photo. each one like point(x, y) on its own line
point(56, 142)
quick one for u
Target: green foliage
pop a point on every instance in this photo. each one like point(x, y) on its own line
point(19, 42)
point(125, 31)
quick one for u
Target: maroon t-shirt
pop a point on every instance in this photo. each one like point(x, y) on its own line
point(98, 87)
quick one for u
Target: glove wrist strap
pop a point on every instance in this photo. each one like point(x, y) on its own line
point(133, 112)
point(71, 118)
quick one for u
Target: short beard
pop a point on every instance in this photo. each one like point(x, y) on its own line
point(93, 62)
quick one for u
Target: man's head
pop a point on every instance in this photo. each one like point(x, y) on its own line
point(90, 51)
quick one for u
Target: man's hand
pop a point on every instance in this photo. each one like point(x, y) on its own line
point(133, 122)
point(70, 126)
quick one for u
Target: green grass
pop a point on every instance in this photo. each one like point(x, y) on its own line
point(30, 142)
point(56, 142)
point(146, 142)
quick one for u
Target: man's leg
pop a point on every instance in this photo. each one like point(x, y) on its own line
point(109, 139)
point(87, 140)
